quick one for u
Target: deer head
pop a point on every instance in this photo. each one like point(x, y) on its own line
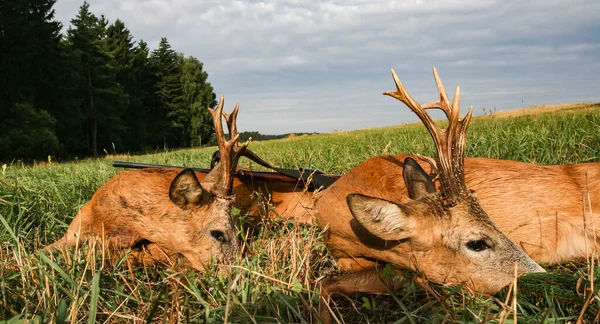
point(448, 235)
point(209, 204)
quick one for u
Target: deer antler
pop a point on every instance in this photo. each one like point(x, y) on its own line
point(230, 119)
point(228, 149)
point(450, 141)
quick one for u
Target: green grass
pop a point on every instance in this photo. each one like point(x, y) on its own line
point(279, 281)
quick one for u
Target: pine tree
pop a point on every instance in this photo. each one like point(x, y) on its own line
point(174, 116)
point(132, 66)
point(102, 97)
point(146, 80)
point(93, 89)
point(29, 73)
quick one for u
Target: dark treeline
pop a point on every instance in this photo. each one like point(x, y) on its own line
point(93, 88)
point(256, 136)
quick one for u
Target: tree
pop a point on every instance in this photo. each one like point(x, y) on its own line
point(197, 95)
point(28, 35)
point(102, 97)
point(146, 80)
point(27, 133)
point(93, 88)
point(30, 71)
point(132, 66)
point(172, 117)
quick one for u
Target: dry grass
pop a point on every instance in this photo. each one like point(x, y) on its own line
point(116, 156)
point(570, 108)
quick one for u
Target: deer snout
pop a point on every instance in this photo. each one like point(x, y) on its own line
point(527, 265)
point(224, 242)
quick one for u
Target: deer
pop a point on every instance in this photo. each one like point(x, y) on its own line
point(167, 212)
point(550, 211)
point(392, 212)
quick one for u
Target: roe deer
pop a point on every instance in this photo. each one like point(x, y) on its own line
point(170, 210)
point(544, 209)
point(445, 236)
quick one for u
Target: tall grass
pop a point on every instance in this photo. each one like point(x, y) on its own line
point(279, 280)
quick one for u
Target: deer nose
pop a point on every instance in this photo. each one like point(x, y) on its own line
point(527, 265)
point(538, 268)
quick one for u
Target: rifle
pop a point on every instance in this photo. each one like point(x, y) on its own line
point(312, 178)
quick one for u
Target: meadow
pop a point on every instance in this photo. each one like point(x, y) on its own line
point(279, 280)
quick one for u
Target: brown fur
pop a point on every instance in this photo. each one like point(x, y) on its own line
point(288, 201)
point(428, 234)
point(134, 207)
point(540, 208)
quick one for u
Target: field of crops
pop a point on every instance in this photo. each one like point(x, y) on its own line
point(279, 281)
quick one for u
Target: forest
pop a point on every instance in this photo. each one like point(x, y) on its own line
point(93, 89)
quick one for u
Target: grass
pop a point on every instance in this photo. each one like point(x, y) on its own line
point(279, 281)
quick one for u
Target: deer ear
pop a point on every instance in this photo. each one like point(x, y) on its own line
point(185, 190)
point(417, 181)
point(385, 219)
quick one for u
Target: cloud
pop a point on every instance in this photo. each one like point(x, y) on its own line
point(317, 66)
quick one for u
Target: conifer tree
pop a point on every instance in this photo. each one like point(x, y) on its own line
point(93, 89)
point(174, 116)
point(102, 97)
point(130, 66)
point(29, 70)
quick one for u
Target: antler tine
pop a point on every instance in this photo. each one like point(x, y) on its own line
point(443, 103)
point(462, 132)
point(432, 162)
point(449, 142)
point(217, 122)
point(228, 149)
point(456, 102)
point(230, 119)
point(402, 95)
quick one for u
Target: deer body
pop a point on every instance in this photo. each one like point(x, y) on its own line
point(540, 208)
point(285, 200)
point(543, 209)
point(134, 207)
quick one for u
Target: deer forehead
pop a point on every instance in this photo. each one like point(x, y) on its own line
point(469, 210)
point(456, 224)
point(219, 209)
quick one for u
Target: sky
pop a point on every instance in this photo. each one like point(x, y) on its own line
point(321, 66)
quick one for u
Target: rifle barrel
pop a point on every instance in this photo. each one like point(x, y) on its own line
point(321, 179)
point(137, 165)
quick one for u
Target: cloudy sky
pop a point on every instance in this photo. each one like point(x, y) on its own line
point(307, 65)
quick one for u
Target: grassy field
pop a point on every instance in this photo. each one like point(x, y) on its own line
point(279, 282)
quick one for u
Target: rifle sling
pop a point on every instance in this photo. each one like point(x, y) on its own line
point(312, 177)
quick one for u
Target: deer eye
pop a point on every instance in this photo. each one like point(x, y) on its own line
point(218, 235)
point(478, 245)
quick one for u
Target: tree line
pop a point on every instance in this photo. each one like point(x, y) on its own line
point(93, 89)
point(256, 136)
